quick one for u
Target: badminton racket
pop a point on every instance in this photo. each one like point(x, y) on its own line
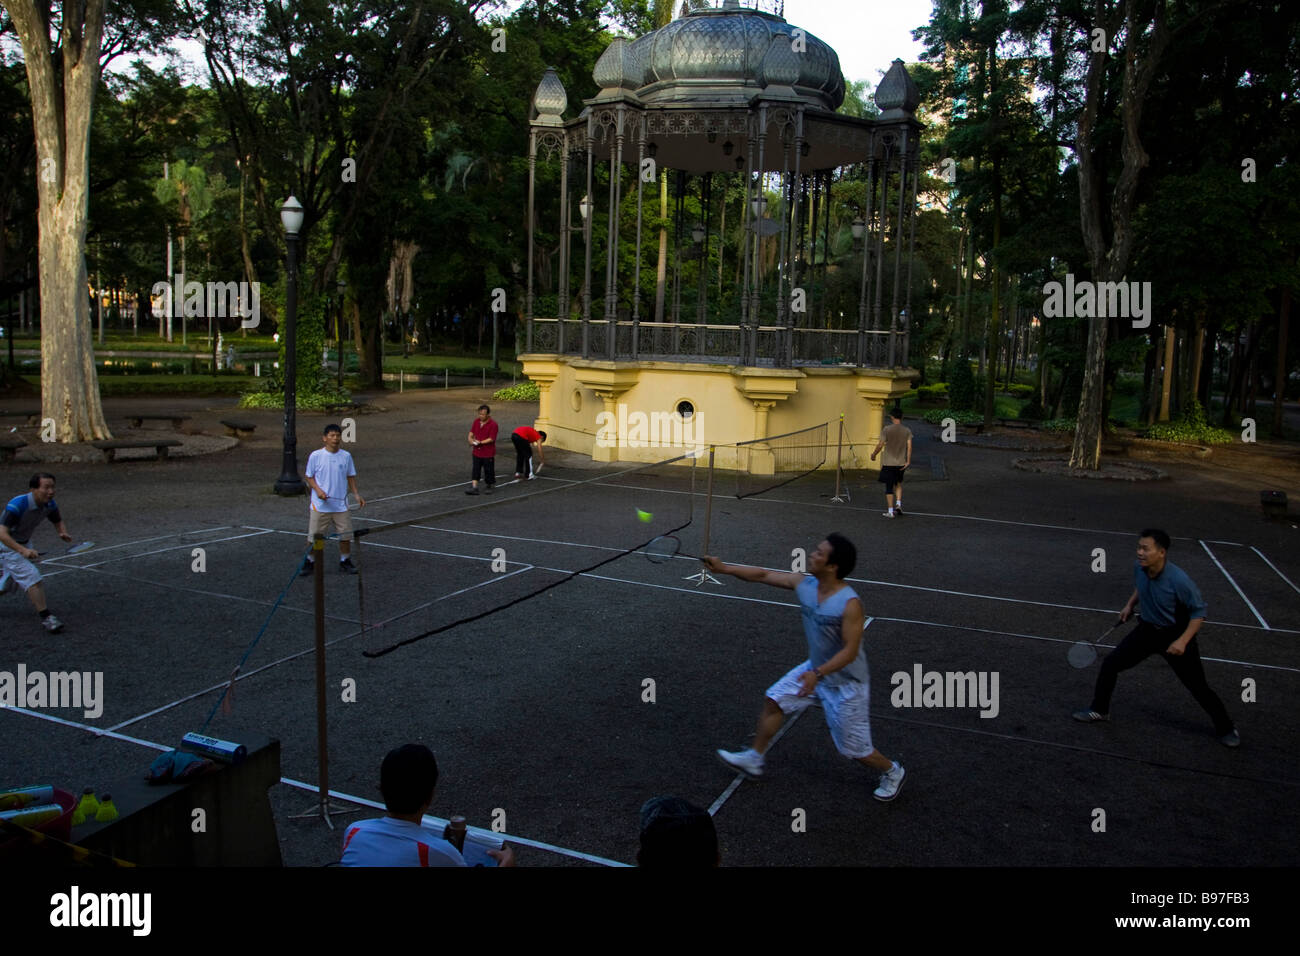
point(1083, 653)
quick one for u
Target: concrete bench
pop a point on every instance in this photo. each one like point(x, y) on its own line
point(160, 446)
point(1017, 423)
point(239, 429)
point(137, 421)
point(9, 447)
point(1273, 503)
point(155, 823)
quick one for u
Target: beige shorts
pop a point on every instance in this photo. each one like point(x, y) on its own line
point(329, 522)
point(23, 574)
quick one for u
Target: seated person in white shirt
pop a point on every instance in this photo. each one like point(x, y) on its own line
point(407, 779)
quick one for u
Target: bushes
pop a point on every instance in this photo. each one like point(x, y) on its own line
point(961, 390)
point(935, 416)
point(1060, 425)
point(932, 393)
point(1192, 428)
point(523, 392)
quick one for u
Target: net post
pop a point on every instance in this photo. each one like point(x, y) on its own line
point(839, 470)
point(323, 806)
point(700, 576)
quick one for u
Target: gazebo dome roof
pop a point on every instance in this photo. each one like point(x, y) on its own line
point(725, 54)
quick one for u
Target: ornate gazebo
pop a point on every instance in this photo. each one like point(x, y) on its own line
point(720, 99)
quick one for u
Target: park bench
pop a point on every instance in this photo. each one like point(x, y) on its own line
point(137, 421)
point(9, 447)
point(239, 429)
point(160, 446)
point(977, 428)
point(1017, 423)
point(342, 407)
point(32, 415)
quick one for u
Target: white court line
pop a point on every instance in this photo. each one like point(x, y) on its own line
point(312, 650)
point(885, 584)
point(63, 568)
point(1059, 640)
point(438, 823)
point(522, 841)
point(740, 777)
point(176, 547)
point(1234, 586)
point(1274, 567)
point(408, 494)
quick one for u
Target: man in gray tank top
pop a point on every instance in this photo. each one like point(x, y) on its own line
point(835, 673)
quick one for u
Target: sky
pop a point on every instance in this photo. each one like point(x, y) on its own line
point(867, 34)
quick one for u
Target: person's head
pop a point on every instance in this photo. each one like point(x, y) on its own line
point(407, 778)
point(1153, 545)
point(42, 486)
point(896, 413)
point(835, 555)
point(676, 834)
point(332, 436)
point(543, 434)
point(484, 413)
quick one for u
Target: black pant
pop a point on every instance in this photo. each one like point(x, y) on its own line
point(1147, 639)
point(487, 468)
point(523, 452)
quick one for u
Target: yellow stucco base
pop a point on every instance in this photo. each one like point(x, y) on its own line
point(626, 411)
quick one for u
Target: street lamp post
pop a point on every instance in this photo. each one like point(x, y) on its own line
point(338, 331)
point(289, 483)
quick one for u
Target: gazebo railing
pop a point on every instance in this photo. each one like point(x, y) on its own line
point(765, 345)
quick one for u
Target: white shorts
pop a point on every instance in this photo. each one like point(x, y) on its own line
point(847, 708)
point(24, 573)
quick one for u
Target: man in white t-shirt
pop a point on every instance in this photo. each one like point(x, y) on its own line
point(331, 474)
point(407, 779)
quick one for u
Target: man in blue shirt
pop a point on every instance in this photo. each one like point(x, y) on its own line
point(835, 673)
point(20, 518)
point(1172, 613)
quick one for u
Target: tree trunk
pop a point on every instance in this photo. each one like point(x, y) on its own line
point(1279, 381)
point(1166, 373)
point(1109, 257)
point(69, 387)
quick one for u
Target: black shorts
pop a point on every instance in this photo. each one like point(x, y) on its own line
point(891, 475)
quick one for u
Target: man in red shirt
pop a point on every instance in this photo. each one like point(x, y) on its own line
point(526, 439)
point(483, 438)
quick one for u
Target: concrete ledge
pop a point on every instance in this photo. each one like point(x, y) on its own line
point(155, 821)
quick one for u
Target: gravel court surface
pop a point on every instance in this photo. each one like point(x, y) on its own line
point(555, 731)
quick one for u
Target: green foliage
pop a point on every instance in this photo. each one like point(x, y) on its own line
point(1192, 429)
point(939, 390)
point(523, 392)
point(962, 389)
point(935, 416)
point(312, 401)
point(1060, 425)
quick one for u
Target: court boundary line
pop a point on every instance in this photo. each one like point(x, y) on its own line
point(870, 581)
point(1239, 591)
point(311, 650)
point(288, 781)
point(1274, 567)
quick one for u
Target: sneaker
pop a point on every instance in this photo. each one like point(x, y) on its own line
point(886, 514)
point(471, 491)
point(1089, 716)
point(749, 762)
point(1231, 738)
point(52, 624)
point(898, 508)
point(308, 568)
point(487, 489)
point(347, 567)
point(891, 781)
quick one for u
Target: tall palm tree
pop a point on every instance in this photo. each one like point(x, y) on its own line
point(184, 189)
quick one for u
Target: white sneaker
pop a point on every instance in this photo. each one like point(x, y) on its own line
point(891, 781)
point(886, 514)
point(52, 624)
point(749, 762)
